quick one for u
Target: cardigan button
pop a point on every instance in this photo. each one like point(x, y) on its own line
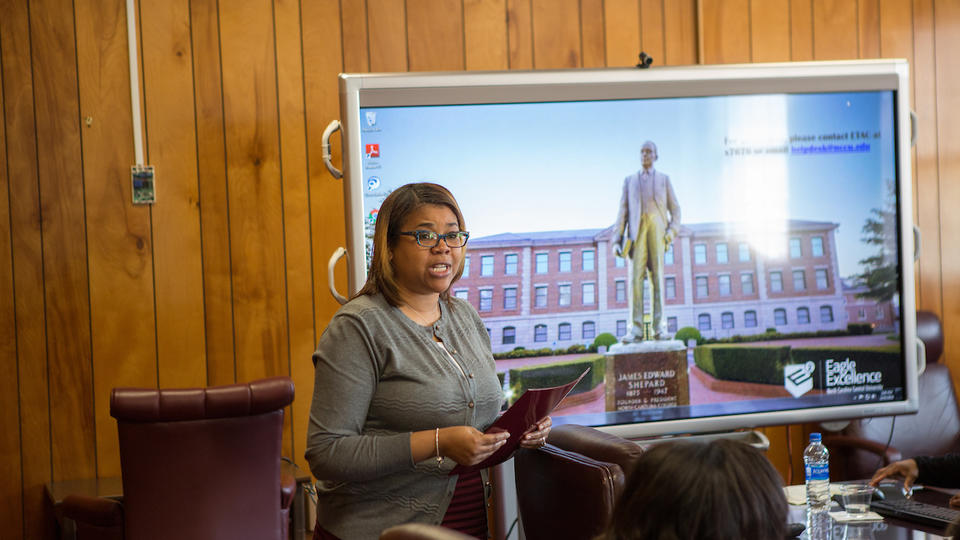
point(470, 404)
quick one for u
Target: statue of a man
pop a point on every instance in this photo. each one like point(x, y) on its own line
point(647, 223)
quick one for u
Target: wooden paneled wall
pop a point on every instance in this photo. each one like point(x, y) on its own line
point(223, 279)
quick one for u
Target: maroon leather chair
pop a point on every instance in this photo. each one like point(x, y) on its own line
point(200, 463)
point(858, 450)
point(568, 488)
point(421, 531)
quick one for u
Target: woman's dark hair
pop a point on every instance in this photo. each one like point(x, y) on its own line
point(394, 211)
point(723, 490)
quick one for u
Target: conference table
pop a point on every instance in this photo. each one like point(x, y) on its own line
point(822, 526)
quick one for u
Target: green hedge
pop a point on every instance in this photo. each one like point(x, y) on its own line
point(772, 335)
point(558, 373)
point(746, 364)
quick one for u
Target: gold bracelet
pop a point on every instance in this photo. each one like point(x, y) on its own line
point(436, 440)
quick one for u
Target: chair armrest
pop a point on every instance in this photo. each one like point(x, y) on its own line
point(288, 487)
point(888, 453)
point(95, 511)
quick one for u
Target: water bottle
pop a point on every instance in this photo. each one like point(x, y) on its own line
point(816, 464)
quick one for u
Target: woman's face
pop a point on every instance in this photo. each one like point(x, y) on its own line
point(421, 270)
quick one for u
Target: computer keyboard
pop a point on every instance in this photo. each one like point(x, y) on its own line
point(918, 512)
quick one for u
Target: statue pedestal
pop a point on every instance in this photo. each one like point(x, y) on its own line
point(646, 375)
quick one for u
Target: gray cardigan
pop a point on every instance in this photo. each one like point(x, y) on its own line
point(379, 377)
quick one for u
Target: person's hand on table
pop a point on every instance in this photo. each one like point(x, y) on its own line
point(906, 469)
point(536, 435)
point(468, 446)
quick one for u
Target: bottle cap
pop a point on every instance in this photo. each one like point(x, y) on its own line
point(814, 437)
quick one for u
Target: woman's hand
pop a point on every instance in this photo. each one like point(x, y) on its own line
point(536, 435)
point(468, 446)
point(906, 469)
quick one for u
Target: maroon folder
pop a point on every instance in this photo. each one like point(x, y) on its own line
point(533, 405)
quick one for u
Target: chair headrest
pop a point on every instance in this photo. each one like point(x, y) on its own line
point(930, 332)
point(178, 404)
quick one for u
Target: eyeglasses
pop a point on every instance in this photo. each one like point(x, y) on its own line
point(431, 239)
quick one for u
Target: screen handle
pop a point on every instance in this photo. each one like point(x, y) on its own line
point(921, 357)
point(331, 264)
point(332, 127)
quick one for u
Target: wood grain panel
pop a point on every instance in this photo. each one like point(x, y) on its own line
point(592, 38)
point(485, 34)
point(680, 33)
point(652, 30)
point(726, 31)
point(927, 187)
point(254, 189)
point(26, 239)
point(353, 19)
point(947, 40)
point(556, 34)
point(386, 22)
point(895, 36)
point(834, 30)
point(172, 149)
point(296, 222)
point(11, 511)
point(118, 233)
point(520, 34)
point(212, 188)
point(435, 35)
point(770, 31)
point(801, 30)
point(621, 23)
point(64, 239)
point(868, 28)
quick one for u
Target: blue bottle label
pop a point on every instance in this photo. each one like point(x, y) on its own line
point(818, 472)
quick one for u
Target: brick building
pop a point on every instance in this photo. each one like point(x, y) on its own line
point(557, 288)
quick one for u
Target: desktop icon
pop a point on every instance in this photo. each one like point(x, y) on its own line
point(371, 117)
point(798, 378)
point(372, 150)
point(373, 183)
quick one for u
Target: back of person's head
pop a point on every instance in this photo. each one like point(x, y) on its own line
point(398, 205)
point(723, 490)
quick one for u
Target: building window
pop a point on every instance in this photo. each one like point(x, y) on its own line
point(510, 298)
point(486, 299)
point(746, 283)
point(816, 246)
point(540, 332)
point(826, 314)
point(540, 296)
point(879, 312)
point(563, 332)
point(700, 253)
point(723, 284)
point(795, 250)
point(668, 255)
point(822, 282)
point(672, 324)
point(621, 288)
point(779, 316)
point(542, 263)
point(486, 265)
point(589, 330)
point(750, 319)
point(621, 328)
point(702, 289)
point(799, 280)
point(803, 315)
point(589, 293)
point(463, 294)
point(619, 262)
point(509, 335)
point(565, 261)
point(564, 295)
point(776, 281)
point(703, 321)
point(466, 267)
point(588, 260)
point(722, 253)
point(670, 287)
point(726, 320)
point(744, 251)
point(862, 314)
point(510, 264)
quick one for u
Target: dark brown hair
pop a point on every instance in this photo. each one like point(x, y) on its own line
point(723, 490)
point(394, 211)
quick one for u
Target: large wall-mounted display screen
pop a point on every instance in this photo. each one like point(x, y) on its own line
point(788, 279)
